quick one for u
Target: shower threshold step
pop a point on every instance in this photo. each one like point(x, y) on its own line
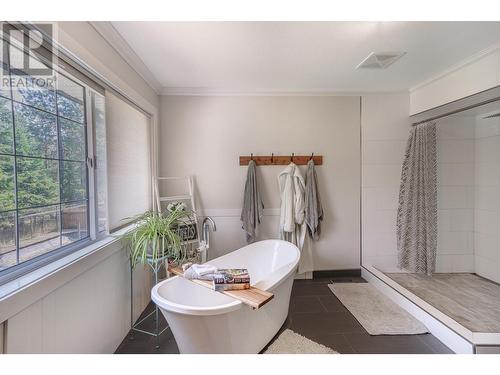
point(467, 304)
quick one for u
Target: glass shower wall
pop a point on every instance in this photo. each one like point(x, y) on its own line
point(469, 192)
point(455, 180)
point(468, 171)
point(487, 195)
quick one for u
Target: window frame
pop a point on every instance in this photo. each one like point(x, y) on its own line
point(90, 94)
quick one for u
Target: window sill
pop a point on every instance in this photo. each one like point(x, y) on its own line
point(18, 294)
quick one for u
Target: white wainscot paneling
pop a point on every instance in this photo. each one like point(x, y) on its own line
point(24, 331)
point(89, 314)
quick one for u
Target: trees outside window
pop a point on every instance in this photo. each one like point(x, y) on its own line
point(44, 190)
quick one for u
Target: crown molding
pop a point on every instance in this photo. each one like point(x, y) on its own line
point(471, 59)
point(201, 91)
point(120, 45)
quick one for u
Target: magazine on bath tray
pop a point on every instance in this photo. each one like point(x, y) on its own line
point(233, 282)
point(231, 279)
point(222, 279)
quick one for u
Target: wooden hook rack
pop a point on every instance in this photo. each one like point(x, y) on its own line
point(282, 160)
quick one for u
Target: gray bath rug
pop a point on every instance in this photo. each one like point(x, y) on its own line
point(290, 342)
point(376, 312)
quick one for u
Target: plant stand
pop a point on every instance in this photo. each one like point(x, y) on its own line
point(156, 267)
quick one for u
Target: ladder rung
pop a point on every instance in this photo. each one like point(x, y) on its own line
point(172, 178)
point(175, 198)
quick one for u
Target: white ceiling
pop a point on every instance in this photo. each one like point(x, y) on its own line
point(299, 56)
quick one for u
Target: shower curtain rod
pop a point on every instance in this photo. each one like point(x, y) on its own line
point(457, 106)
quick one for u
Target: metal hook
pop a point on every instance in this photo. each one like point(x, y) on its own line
point(272, 157)
point(312, 156)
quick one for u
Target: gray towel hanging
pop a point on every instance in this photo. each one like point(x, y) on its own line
point(253, 208)
point(314, 210)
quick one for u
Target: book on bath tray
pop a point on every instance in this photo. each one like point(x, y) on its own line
point(231, 279)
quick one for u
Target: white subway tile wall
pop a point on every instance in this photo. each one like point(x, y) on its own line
point(384, 129)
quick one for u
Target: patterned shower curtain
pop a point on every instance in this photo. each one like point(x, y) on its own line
point(417, 211)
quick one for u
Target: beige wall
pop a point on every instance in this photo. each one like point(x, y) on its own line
point(479, 74)
point(203, 136)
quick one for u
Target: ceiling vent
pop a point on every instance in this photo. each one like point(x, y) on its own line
point(380, 60)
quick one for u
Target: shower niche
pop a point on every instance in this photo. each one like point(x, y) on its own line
point(461, 299)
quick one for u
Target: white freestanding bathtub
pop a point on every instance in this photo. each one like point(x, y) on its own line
point(205, 321)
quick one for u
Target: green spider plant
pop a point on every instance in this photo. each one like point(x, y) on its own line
point(155, 236)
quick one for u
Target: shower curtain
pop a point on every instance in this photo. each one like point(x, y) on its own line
point(417, 211)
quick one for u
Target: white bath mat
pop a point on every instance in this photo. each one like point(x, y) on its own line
point(376, 312)
point(290, 342)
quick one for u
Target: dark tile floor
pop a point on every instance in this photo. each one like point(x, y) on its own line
point(316, 314)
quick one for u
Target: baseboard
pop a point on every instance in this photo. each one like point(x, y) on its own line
point(355, 272)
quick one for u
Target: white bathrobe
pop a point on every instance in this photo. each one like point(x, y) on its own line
point(292, 214)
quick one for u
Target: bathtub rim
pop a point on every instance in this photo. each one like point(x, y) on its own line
point(228, 307)
point(187, 309)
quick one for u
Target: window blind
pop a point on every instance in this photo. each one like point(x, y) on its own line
point(129, 162)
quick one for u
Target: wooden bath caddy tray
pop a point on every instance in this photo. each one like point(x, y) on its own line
point(253, 297)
